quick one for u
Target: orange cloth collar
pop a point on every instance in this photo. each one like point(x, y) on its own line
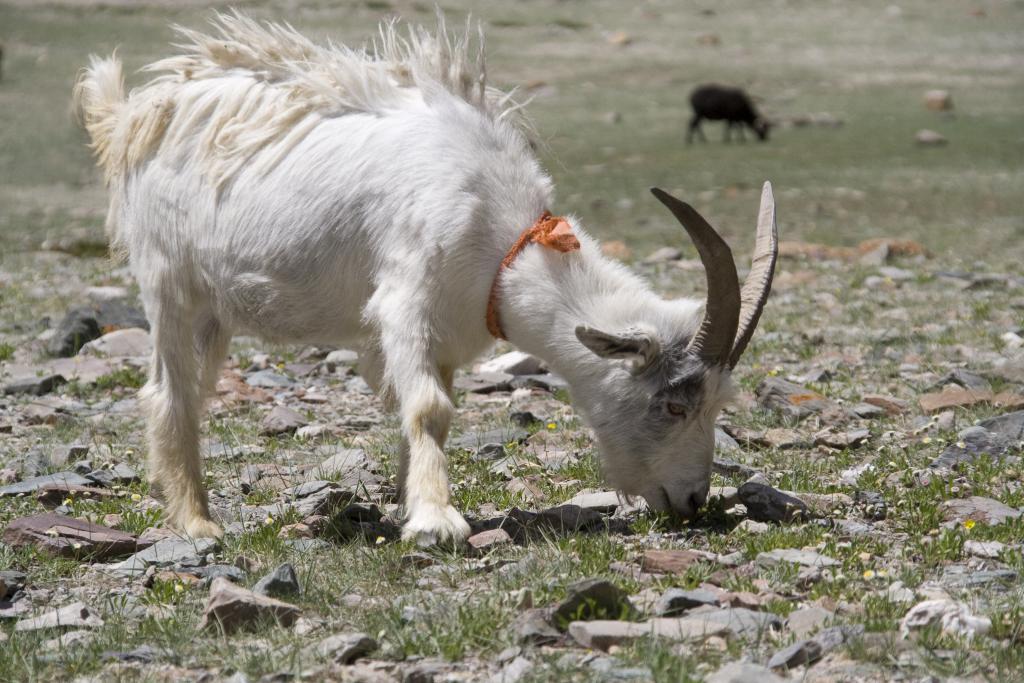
point(554, 232)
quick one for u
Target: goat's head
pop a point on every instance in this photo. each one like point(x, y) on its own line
point(762, 126)
point(662, 383)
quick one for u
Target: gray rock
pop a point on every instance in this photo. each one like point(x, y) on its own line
point(36, 383)
point(547, 382)
point(592, 599)
point(599, 501)
point(345, 648)
point(568, 519)
point(131, 342)
point(743, 672)
point(75, 615)
point(973, 443)
point(484, 382)
point(532, 628)
point(664, 255)
point(602, 634)
point(234, 608)
point(804, 622)
point(78, 327)
point(344, 461)
point(165, 553)
point(342, 357)
point(725, 443)
point(806, 558)
point(929, 138)
point(811, 650)
point(978, 509)
point(867, 411)
point(268, 379)
point(738, 621)
point(502, 435)
point(793, 400)
point(35, 483)
point(281, 582)
point(1009, 426)
point(215, 571)
point(514, 671)
point(490, 539)
point(13, 581)
point(489, 451)
point(282, 420)
point(767, 504)
point(513, 363)
point(727, 467)
point(675, 601)
point(119, 474)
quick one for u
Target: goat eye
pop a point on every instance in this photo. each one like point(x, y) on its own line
point(677, 409)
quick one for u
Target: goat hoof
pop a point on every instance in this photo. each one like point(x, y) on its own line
point(199, 527)
point(435, 525)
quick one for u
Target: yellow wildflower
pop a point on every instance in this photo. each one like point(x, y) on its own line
point(969, 524)
point(136, 497)
point(552, 425)
point(380, 540)
point(869, 574)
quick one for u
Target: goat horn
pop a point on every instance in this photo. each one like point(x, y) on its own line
point(759, 279)
point(714, 339)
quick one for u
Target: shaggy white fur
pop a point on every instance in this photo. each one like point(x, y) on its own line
point(323, 195)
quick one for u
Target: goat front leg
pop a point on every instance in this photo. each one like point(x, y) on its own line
point(426, 414)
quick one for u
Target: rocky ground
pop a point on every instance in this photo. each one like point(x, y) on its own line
point(865, 523)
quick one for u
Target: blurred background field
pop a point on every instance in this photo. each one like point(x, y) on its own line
point(610, 82)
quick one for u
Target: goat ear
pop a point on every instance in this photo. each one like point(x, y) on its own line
point(639, 347)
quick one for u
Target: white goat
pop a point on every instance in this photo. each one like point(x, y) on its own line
point(323, 195)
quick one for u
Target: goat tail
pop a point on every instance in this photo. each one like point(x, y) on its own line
point(97, 100)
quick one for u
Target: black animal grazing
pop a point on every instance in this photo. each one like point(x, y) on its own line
point(732, 105)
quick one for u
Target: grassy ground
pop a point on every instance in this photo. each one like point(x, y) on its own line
point(861, 62)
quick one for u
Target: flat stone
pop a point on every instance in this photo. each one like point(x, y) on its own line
point(841, 439)
point(805, 558)
point(547, 382)
point(953, 396)
point(473, 440)
point(568, 519)
point(793, 400)
point(234, 608)
point(675, 601)
point(808, 651)
point(118, 475)
point(728, 467)
point(282, 420)
point(165, 553)
point(725, 443)
point(345, 648)
point(978, 509)
point(972, 444)
point(83, 369)
point(514, 671)
point(743, 672)
point(767, 504)
point(532, 628)
point(807, 620)
point(602, 634)
point(739, 621)
point(344, 461)
point(988, 549)
point(1009, 426)
point(281, 582)
point(672, 561)
point(591, 599)
point(34, 383)
point(75, 615)
point(268, 379)
point(484, 382)
point(866, 411)
point(130, 342)
point(45, 481)
point(599, 501)
point(953, 618)
point(62, 536)
point(342, 357)
point(930, 138)
point(890, 404)
point(513, 363)
point(488, 540)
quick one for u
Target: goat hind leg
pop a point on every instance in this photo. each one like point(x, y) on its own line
point(172, 400)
